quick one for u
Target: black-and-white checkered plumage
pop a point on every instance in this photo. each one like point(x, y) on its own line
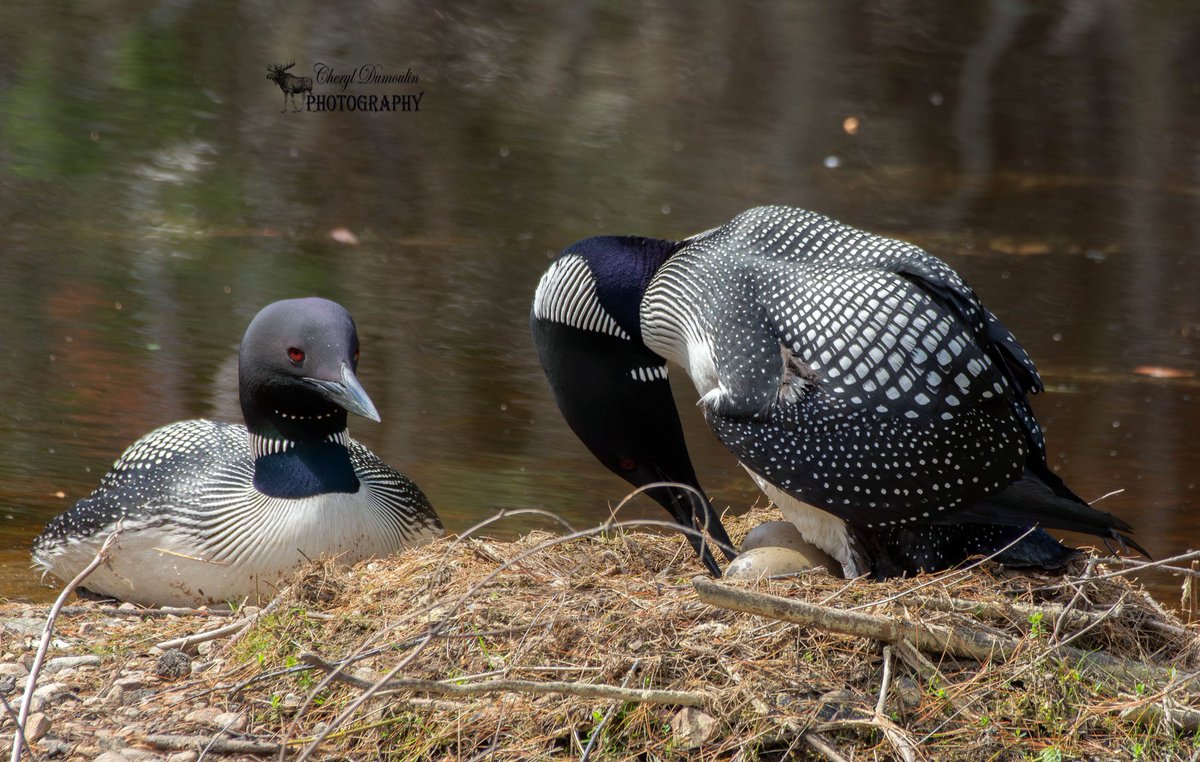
point(858, 379)
point(212, 513)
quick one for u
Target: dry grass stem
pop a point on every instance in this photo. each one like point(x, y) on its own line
point(600, 644)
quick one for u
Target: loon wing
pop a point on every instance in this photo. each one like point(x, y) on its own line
point(858, 373)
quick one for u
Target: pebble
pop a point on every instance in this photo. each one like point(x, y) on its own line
point(204, 715)
point(690, 727)
point(37, 725)
point(131, 681)
point(59, 663)
point(50, 692)
point(173, 665)
point(183, 756)
point(232, 721)
point(13, 669)
point(127, 754)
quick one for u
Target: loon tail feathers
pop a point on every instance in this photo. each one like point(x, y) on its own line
point(1029, 501)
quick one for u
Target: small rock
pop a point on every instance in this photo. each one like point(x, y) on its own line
point(37, 725)
point(690, 727)
point(205, 715)
point(59, 663)
point(129, 697)
point(50, 692)
point(183, 756)
point(110, 756)
point(173, 665)
point(127, 606)
point(54, 748)
point(909, 691)
point(233, 721)
point(13, 669)
point(86, 629)
point(131, 681)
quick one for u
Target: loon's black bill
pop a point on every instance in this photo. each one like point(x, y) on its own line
point(693, 510)
point(347, 393)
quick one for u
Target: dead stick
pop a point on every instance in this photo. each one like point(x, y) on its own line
point(924, 636)
point(586, 690)
point(214, 744)
point(823, 746)
point(1051, 612)
point(233, 628)
point(47, 631)
point(201, 637)
point(115, 611)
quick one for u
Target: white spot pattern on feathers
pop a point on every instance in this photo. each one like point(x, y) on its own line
point(880, 419)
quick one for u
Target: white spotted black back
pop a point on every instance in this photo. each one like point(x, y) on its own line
point(918, 401)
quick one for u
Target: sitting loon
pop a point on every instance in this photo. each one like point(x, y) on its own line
point(857, 378)
point(215, 513)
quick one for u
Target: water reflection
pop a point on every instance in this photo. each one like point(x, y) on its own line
point(153, 198)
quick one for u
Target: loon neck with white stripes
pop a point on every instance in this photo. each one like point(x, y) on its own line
point(261, 445)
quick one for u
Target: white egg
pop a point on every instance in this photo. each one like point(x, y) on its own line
point(771, 561)
point(775, 534)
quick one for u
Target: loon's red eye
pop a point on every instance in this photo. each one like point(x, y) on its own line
point(295, 355)
point(627, 464)
point(356, 357)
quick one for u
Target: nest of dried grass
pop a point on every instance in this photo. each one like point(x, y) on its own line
point(604, 648)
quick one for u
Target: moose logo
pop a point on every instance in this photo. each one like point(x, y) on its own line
point(290, 84)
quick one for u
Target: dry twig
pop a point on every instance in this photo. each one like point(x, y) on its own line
point(44, 644)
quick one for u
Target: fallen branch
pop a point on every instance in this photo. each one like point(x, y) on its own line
point(934, 638)
point(201, 637)
point(895, 734)
point(116, 611)
point(819, 743)
point(586, 690)
point(48, 630)
point(1050, 612)
point(216, 744)
point(233, 628)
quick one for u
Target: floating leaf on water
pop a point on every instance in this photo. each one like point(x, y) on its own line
point(344, 235)
point(1020, 248)
point(1162, 371)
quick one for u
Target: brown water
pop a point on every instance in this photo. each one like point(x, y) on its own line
point(153, 198)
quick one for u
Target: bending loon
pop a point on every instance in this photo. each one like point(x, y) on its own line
point(216, 512)
point(857, 378)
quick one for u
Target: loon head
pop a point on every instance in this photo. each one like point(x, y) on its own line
point(296, 371)
point(611, 388)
